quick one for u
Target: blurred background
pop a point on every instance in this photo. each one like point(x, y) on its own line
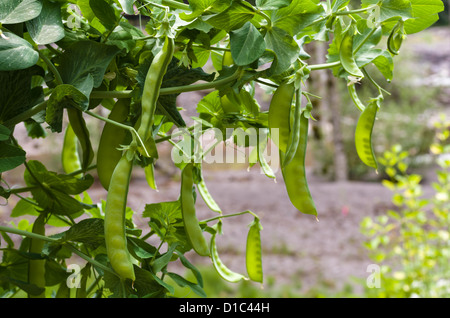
point(393, 235)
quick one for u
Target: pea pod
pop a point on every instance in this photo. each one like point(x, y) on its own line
point(81, 131)
point(69, 155)
point(280, 113)
point(262, 145)
point(191, 223)
point(149, 172)
point(36, 267)
point(294, 136)
point(354, 96)
point(363, 134)
point(396, 38)
point(220, 267)
point(112, 137)
point(150, 92)
point(346, 55)
point(294, 173)
point(253, 254)
point(116, 203)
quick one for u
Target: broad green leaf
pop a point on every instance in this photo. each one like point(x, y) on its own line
point(200, 7)
point(104, 12)
point(17, 94)
point(127, 6)
point(10, 157)
point(84, 58)
point(164, 259)
point(87, 231)
point(17, 11)
point(232, 18)
point(63, 96)
point(385, 64)
point(4, 133)
point(183, 282)
point(51, 190)
point(297, 16)
point(284, 46)
point(47, 27)
point(246, 44)
point(271, 4)
point(16, 53)
point(425, 14)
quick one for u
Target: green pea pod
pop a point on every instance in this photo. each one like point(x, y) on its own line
point(363, 134)
point(111, 139)
point(115, 235)
point(69, 155)
point(396, 38)
point(152, 85)
point(81, 131)
point(262, 145)
point(294, 174)
point(280, 113)
point(206, 195)
point(294, 136)
point(223, 271)
point(354, 96)
point(346, 54)
point(191, 223)
point(149, 171)
point(36, 267)
point(253, 254)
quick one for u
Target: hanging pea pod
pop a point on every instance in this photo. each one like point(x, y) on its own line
point(191, 223)
point(205, 194)
point(80, 129)
point(149, 171)
point(346, 55)
point(261, 147)
point(36, 267)
point(396, 38)
point(111, 139)
point(115, 231)
point(69, 155)
point(354, 96)
point(363, 134)
point(220, 267)
point(150, 93)
point(253, 254)
point(294, 174)
point(294, 136)
point(280, 114)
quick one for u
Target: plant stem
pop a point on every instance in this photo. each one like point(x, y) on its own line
point(324, 66)
point(52, 68)
point(362, 10)
point(26, 114)
point(229, 215)
point(90, 260)
point(8, 229)
point(176, 5)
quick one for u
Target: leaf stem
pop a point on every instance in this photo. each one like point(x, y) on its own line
point(348, 12)
point(32, 235)
point(324, 66)
point(229, 215)
point(52, 68)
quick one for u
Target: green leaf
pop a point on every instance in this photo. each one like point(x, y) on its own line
point(63, 96)
point(183, 282)
point(199, 7)
point(271, 4)
point(16, 53)
point(17, 11)
point(52, 191)
point(4, 133)
point(297, 16)
point(17, 94)
point(162, 261)
point(246, 44)
point(86, 58)
point(47, 27)
point(87, 231)
point(232, 18)
point(10, 157)
point(425, 14)
point(284, 46)
point(390, 9)
point(104, 12)
point(385, 64)
point(127, 6)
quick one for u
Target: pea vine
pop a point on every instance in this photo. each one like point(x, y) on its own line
point(64, 61)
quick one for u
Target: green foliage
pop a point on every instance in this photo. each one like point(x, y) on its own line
point(411, 242)
point(61, 63)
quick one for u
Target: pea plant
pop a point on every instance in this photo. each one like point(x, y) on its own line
point(63, 62)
